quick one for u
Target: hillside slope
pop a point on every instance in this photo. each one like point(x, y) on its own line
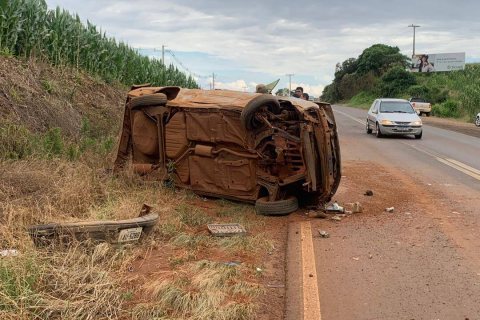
point(40, 97)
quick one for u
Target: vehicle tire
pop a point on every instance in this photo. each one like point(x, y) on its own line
point(477, 122)
point(275, 208)
point(248, 114)
point(368, 128)
point(378, 132)
point(428, 114)
point(157, 99)
point(419, 136)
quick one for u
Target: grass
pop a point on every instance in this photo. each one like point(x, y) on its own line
point(41, 184)
point(29, 29)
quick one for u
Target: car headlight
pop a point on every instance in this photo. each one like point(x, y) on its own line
point(417, 123)
point(387, 122)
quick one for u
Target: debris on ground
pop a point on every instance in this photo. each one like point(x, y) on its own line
point(334, 208)
point(323, 234)
point(390, 209)
point(275, 286)
point(335, 218)
point(357, 207)
point(320, 215)
point(348, 212)
point(355, 258)
point(226, 229)
point(370, 256)
point(232, 263)
point(369, 193)
point(122, 231)
point(9, 253)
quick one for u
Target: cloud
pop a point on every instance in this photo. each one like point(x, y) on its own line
point(275, 37)
point(238, 85)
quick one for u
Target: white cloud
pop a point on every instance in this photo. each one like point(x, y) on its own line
point(238, 85)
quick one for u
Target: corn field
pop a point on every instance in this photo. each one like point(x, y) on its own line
point(29, 29)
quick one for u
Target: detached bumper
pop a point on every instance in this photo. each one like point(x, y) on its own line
point(400, 130)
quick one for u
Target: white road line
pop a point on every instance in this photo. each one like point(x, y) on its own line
point(311, 298)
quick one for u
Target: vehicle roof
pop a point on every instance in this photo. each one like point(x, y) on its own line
point(391, 99)
point(215, 99)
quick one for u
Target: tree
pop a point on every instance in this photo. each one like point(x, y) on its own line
point(396, 81)
point(283, 92)
point(379, 58)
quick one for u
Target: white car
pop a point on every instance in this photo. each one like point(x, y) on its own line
point(393, 117)
point(477, 120)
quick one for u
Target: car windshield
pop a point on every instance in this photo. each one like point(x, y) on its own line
point(417, 100)
point(396, 107)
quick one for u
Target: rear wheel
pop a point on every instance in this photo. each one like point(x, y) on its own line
point(477, 122)
point(280, 207)
point(264, 101)
point(378, 132)
point(368, 128)
point(428, 114)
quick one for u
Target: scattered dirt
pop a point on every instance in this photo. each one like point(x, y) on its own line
point(414, 263)
point(453, 125)
point(40, 97)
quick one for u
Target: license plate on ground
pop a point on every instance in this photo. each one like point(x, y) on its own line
point(131, 234)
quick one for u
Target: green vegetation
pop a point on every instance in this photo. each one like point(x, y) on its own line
point(380, 71)
point(29, 29)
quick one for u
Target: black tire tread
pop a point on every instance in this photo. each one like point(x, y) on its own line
point(280, 207)
point(248, 113)
point(156, 99)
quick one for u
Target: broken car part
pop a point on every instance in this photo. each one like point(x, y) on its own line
point(226, 229)
point(274, 151)
point(334, 208)
point(122, 231)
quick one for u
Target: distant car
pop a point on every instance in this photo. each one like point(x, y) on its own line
point(311, 98)
point(393, 117)
point(422, 106)
point(477, 120)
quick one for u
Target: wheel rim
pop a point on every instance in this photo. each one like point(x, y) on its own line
point(377, 130)
point(478, 122)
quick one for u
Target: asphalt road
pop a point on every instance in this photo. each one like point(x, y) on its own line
point(423, 260)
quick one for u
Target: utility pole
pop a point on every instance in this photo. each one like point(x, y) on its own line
point(414, 27)
point(290, 80)
point(213, 81)
point(163, 54)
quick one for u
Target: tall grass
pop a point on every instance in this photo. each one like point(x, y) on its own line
point(29, 29)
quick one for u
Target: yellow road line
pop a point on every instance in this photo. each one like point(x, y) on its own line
point(472, 172)
point(311, 298)
point(351, 117)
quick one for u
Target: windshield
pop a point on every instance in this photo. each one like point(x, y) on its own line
point(417, 100)
point(396, 107)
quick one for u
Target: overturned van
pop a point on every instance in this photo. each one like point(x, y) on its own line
point(273, 151)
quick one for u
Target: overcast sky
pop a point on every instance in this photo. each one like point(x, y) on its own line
point(249, 42)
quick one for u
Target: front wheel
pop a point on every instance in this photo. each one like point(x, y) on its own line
point(419, 136)
point(368, 128)
point(378, 132)
point(275, 208)
point(477, 122)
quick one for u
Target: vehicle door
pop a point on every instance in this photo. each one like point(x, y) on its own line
point(373, 113)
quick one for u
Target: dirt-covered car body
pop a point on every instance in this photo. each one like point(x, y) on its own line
point(229, 144)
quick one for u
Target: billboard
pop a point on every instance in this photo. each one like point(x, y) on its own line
point(438, 62)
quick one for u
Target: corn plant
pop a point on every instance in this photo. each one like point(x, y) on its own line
point(29, 29)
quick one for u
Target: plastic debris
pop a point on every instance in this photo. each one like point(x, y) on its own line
point(275, 286)
point(9, 253)
point(390, 209)
point(355, 258)
point(369, 193)
point(323, 234)
point(334, 207)
point(357, 207)
point(232, 263)
point(335, 218)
